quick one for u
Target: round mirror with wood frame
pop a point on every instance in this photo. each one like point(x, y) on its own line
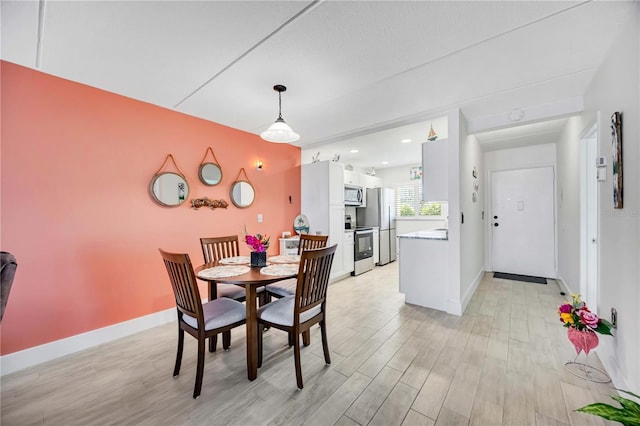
point(242, 193)
point(210, 172)
point(169, 189)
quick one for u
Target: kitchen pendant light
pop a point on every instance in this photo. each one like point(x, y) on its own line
point(279, 131)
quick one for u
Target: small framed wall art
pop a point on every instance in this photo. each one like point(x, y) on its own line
point(415, 173)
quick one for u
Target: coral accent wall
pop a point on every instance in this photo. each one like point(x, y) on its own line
point(76, 163)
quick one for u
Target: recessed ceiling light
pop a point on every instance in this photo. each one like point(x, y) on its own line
point(385, 162)
point(353, 151)
point(405, 140)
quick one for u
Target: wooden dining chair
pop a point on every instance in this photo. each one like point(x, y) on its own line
point(296, 314)
point(216, 248)
point(288, 287)
point(310, 242)
point(8, 267)
point(200, 320)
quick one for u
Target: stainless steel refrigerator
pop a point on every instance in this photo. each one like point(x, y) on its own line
point(381, 212)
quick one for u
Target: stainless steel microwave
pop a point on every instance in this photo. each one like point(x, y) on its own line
point(353, 195)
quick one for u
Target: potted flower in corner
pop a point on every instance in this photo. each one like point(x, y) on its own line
point(582, 324)
point(259, 245)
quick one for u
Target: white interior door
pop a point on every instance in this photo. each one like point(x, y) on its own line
point(523, 222)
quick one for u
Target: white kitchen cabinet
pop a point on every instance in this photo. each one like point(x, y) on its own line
point(435, 169)
point(336, 231)
point(352, 178)
point(323, 204)
point(336, 183)
point(424, 269)
point(376, 245)
point(371, 181)
point(289, 246)
point(348, 253)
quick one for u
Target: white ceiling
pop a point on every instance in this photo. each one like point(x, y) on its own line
point(353, 68)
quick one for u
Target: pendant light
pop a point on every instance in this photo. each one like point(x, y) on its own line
point(279, 131)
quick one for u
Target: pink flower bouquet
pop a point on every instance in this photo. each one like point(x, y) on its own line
point(578, 316)
point(258, 242)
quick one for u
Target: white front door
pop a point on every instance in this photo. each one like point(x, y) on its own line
point(523, 222)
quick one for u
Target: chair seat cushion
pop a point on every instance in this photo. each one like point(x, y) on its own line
point(219, 313)
point(281, 312)
point(231, 291)
point(284, 288)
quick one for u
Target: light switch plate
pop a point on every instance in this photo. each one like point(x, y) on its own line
point(259, 217)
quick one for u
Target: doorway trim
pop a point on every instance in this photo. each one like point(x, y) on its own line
point(589, 218)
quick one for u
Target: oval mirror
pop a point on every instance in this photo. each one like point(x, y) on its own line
point(169, 189)
point(210, 174)
point(242, 194)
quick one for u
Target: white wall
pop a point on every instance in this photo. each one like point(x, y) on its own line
point(568, 210)
point(456, 122)
point(472, 231)
point(396, 175)
point(616, 87)
point(520, 158)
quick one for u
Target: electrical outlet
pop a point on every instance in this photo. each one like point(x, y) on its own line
point(259, 217)
point(614, 317)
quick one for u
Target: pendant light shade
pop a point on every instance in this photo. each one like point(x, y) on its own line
point(279, 131)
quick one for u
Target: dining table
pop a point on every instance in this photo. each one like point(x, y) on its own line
point(251, 278)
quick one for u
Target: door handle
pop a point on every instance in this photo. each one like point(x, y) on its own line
point(593, 240)
point(495, 217)
point(496, 224)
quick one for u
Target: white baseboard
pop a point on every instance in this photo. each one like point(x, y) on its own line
point(563, 286)
point(29, 357)
point(472, 289)
point(456, 307)
point(610, 364)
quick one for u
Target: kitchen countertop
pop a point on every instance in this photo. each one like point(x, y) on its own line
point(428, 234)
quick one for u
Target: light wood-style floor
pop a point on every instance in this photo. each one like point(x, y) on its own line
point(501, 363)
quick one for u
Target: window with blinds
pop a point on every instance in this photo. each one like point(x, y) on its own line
point(409, 202)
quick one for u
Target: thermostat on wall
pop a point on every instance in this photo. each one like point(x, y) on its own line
point(601, 169)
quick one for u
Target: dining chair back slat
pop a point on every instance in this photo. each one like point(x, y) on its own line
point(216, 248)
point(310, 242)
point(306, 242)
point(184, 283)
point(313, 278)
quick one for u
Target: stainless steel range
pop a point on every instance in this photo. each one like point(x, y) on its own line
point(363, 250)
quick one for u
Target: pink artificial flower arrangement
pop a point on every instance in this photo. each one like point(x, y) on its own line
point(577, 315)
point(258, 242)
